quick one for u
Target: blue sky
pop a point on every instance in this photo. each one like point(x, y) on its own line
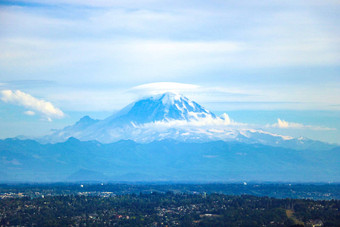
point(258, 61)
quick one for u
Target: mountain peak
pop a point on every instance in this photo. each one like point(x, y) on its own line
point(72, 140)
point(163, 107)
point(86, 120)
point(169, 98)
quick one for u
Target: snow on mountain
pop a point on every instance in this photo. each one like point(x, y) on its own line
point(163, 107)
point(166, 107)
point(171, 116)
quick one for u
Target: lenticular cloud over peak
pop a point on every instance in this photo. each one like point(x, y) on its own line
point(163, 87)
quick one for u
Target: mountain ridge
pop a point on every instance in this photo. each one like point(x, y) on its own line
point(172, 116)
point(170, 160)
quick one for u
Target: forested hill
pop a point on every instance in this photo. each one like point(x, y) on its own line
point(167, 160)
point(167, 209)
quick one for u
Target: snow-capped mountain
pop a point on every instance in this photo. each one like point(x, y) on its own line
point(163, 107)
point(172, 116)
point(166, 138)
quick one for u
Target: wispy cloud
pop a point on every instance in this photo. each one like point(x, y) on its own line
point(293, 125)
point(131, 43)
point(17, 97)
point(161, 87)
point(29, 112)
point(190, 89)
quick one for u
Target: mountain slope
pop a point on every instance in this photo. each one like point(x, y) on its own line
point(164, 107)
point(172, 116)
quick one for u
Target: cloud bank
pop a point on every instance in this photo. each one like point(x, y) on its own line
point(201, 123)
point(29, 112)
point(224, 124)
point(43, 107)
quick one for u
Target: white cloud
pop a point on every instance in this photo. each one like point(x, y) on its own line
point(161, 87)
point(29, 112)
point(285, 124)
point(193, 91)
point(201, 123)
point(28, 101)
point(293, 125)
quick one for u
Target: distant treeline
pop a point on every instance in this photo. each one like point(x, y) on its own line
point(275, 190)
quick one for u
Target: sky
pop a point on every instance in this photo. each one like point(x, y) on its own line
point(262, 62)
